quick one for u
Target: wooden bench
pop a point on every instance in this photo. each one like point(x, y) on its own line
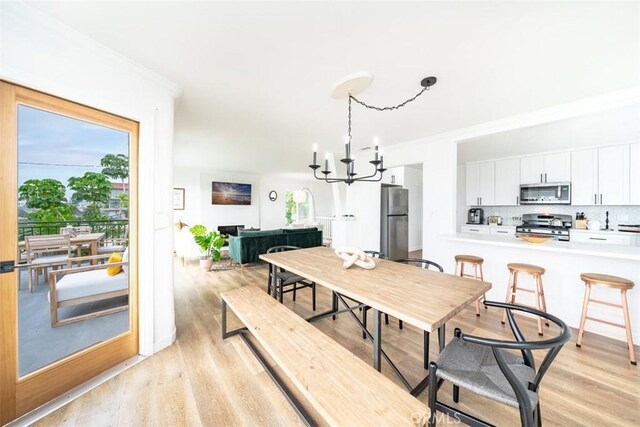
point(342, 388)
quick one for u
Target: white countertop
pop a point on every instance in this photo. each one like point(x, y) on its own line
point(592, 249)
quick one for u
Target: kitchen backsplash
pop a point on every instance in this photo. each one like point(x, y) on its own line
point(617, 214)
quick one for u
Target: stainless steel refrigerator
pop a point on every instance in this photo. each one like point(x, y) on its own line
point(394, 227)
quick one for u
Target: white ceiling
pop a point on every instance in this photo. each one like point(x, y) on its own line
point(256, 76)
point(611, 127)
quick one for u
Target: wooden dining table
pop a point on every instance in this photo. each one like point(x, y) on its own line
point(90, 239)
point(423, 298)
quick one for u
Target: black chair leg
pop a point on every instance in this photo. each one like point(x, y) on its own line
point(538, 416)
point(295, 288)
point(364, 322)
point(313, 295)
point(433, 393)
point(457, 332)
point(400, 324)
point(280, 289)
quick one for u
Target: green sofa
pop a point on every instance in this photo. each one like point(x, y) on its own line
point(249, 245)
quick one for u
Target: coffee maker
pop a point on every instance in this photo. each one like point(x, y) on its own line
point(475, 216)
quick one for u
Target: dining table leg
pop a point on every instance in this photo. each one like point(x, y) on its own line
point(425, 348)
point(377, 339)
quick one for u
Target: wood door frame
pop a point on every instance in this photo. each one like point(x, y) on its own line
point(21, 395)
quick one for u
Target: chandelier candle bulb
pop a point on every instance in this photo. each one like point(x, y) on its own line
point(315, 154)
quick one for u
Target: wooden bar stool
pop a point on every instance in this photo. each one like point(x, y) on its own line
point(475, 262)
point(624, 285)
point(534, 271)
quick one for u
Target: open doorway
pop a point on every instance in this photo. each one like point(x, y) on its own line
point(413, 182)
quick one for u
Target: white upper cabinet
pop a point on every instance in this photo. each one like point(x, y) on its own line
point(532, 169)
point(487, 183)
point(557, 167)
point(507, 182)
point(613, 175)
point(473, 184)
point(480, 184)
point(584, 177)
point(393, 176)
point(547, 168)
point(634, 186)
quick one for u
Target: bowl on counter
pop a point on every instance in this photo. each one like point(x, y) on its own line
point(534, 238)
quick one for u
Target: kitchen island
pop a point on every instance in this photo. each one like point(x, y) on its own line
point(563, 262)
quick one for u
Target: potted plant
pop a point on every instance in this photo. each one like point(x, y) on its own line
point(210, 242)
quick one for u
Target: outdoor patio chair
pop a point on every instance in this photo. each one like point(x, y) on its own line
point(80, 285)
point(52, 250)
point(79, 229)
point(114, 244)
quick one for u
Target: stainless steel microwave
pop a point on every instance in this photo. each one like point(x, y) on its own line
point(558, 193)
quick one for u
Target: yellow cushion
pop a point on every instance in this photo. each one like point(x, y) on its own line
point(114, 258)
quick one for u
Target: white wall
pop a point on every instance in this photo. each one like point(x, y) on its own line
point(42, 54)
point(272, 213)
point(363, 201)
point(262, 213)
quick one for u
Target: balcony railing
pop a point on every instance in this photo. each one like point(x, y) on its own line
point(111, 227)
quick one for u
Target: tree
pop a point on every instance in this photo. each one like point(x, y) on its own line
point(116, 167)
point(93, 188)
point(290, 207)
point(48, 197)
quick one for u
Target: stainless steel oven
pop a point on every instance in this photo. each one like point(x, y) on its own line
point(558, 193)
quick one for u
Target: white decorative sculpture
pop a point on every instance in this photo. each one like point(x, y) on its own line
point(355, 256)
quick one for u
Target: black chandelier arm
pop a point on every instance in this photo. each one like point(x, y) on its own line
point(363, 178)
point(351, 180)
point(326, 178)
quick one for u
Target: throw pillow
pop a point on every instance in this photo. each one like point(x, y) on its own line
point(114, 258)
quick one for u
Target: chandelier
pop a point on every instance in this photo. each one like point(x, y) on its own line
point(360, 83)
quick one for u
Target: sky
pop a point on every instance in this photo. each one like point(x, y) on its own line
point(59, 147)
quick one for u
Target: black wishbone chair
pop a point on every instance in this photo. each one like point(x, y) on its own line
point(482, 365)
point(286, 279)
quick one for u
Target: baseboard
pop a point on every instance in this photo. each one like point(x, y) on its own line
point(165, 342)
point(57, 403)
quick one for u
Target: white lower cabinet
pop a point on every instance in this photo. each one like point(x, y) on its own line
point(602, 238)
point(502, 231)
point(475, 229)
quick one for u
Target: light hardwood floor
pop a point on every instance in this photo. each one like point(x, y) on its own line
point(202, 380)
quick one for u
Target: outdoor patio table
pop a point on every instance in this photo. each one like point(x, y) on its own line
point(90, 239)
